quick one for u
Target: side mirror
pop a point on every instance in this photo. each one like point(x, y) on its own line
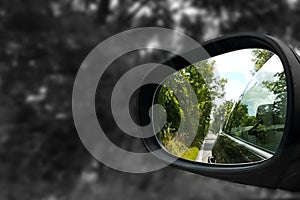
point(231, 116)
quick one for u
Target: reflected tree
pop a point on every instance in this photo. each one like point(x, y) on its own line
point(261, 56)
point(220, 115)
point(206, 90)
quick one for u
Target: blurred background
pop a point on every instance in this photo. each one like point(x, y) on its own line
point(43, 44)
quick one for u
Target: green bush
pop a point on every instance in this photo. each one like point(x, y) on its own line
point(179, 149)
point(176, 147)
point(191, 153)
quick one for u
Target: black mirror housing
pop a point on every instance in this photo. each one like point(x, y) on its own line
point(282, 170)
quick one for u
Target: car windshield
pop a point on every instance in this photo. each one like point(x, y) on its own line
point(258, 118)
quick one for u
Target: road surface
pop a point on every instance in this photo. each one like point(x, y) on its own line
point(206, 148)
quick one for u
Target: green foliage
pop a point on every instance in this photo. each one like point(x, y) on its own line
point(220, 115)
point(176, 147)
point(206, 87)
point(191, 153)
point(169, 101)
point(166, 134)
point(261, 56)
point(239, 118)
point(179, 149)
point(279, 86)
point(261, 133)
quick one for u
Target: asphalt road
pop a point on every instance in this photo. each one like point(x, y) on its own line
point(206, 148)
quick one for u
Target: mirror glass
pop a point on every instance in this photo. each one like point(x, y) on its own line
point(229, 109)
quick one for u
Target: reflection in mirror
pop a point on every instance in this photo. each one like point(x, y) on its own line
point(225, 110)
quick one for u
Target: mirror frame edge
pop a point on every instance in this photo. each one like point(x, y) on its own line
point(266, 173)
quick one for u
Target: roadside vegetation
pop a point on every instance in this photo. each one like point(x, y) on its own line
point(185, 130)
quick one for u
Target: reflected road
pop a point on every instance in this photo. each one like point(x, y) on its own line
point(206, 148)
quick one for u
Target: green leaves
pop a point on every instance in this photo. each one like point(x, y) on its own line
point(261, 56)
point(200, 77)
